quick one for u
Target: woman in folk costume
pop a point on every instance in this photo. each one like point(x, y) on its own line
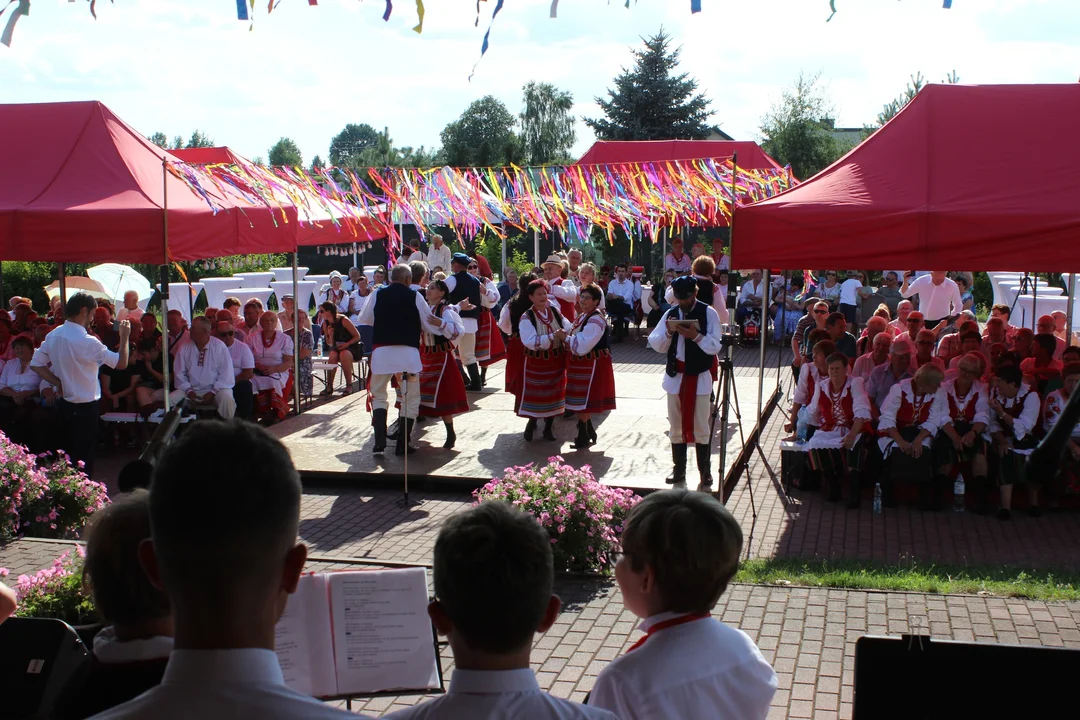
point(841, 412)
point(1069, 471)
point(1014, 419)
point(336, 294)
point(273, 381)
point(489, 343)
point(590, 380)
point(811, 375)
point(913, 412)
point(508, 323)
point(442, 390)
point(960, 445)
point(559, 288)
point(543, 332)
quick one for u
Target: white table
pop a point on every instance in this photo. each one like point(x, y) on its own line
point(215, 290)
point(320, 282)
point(997, 278)
point(255, 279)
point(646, 293)
point(245, 294)
point(305, 289)
point(283, 274)
point(1028, 309)
point(179, 294)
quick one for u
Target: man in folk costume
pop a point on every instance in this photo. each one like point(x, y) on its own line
point(841, 412)
point(464, 286)
point(960, 445)
point(442, 391)
point(691, 369)
point(399, 315)
point(1014, 418)
point(1069, 470)
point(562, 290)
point(590, 379)
point(913, 413)
point(543, 332)
point(489, 343)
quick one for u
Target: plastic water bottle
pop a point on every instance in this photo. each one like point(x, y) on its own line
point(877, 498)
point(802, 426)
point(958, 494)
point(322, 352)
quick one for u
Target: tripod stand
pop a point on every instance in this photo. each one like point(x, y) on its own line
point(1027, 283)
point(403, 427)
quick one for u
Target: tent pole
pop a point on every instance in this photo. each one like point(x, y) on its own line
point(62, 278)
point(165, 280)
point(296, 329)
point(1, 279)
point(1034, 302)
point(731, 221)
point(536, 248)
point(766, 282)
point(502, 270)
point(780, 315)
point(1069, 310)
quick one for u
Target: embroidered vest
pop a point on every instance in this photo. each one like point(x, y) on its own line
point(697, 361)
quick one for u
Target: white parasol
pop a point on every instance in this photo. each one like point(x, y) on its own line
point(117, 279)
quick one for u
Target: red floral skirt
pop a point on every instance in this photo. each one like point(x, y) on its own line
point(543, 384)
point(270, 403)
point(590, 383)
point(489, 343)
point(442, 391)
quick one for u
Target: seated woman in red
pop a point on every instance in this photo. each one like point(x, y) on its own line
point(442, 389)
point(590, 380)
point(911, 415)
point(960, 445)
point(841, 412)
point(543, 335)
point(273, 381)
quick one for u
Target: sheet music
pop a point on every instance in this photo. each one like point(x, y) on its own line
point(382, 634)
point(303, 639)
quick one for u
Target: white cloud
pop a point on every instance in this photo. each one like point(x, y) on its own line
point(176, 65)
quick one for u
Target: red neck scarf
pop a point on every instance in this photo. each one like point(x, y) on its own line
point(681, 620)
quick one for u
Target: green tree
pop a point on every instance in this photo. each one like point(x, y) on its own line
point(199, 140)
point(797, 130)
point(160, 140)
point(317, 163)
point(285, 152)
point(483, 136)
point(547, 125)
point(258, 160)
point(351, 142)
point(891, 108)
point(177, 143)
point(651, 102)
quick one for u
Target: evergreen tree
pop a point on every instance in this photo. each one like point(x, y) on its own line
point(160, 140)
point(547, 125)
point(650, 102)
point(285, 152)
point(317, 163)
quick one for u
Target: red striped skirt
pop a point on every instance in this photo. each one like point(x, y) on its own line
point(515, 360)
point(543, 391)
point(590, 383)
point(442, 391)
point(489, 343)
point(270, 402)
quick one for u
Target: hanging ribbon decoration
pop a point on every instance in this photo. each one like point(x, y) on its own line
point(420, 14)
point(23, 8)
point(487, 35)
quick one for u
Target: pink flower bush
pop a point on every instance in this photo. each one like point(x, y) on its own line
point(56, 592)
point(44, 496)
point(583, 517)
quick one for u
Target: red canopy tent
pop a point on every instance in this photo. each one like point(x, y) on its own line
point(317, 227)
point(964, 177)
point(613, 152)
point(80, 185)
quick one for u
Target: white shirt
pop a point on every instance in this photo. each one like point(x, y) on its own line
point(935, 301)
point(241, 356)
point(209, 369)
point(499, 695)
point(660, 340)
point(212, 684)
point(1029, 415)
point(390, 359)
point(701, 669)
point(865, 365)
point(586, 333)
point(905, 391)
point(627, 289)
point(749, 288)
point(540, 340)
point(132, 315)
point(849, 292)
point(681, 266)
point(19, 380)
point(719, 299)
point(76, 358)
point(434, 257)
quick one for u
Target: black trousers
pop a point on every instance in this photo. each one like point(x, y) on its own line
point(80, 430)
point(244, 396)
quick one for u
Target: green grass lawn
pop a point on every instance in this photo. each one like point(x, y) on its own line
point(1003, 581)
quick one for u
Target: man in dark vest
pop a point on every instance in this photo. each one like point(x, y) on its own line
point(464, 286)
point(690, 335)
point(398, 315)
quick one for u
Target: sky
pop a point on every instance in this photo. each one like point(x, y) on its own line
point(304, 72)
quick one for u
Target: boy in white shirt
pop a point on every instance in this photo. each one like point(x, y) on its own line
point(493, 575)
point(680, 550)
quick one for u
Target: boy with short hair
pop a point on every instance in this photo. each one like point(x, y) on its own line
point(493, 575)
point(680, 551)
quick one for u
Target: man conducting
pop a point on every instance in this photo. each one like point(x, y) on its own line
point(398, 315)
point(691, 349)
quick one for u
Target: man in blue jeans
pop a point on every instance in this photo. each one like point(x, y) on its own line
point(70, 359)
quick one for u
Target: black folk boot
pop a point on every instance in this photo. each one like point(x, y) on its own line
point(678, 471)
point(404, 436)
point(549, 434)
point(704, 466)
point(378, 424)
point(581, 442)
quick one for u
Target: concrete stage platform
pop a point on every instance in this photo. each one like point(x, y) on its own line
point(633, 449)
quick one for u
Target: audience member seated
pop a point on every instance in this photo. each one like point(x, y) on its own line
point(357, 299)
point(1041, 367)
point(786, 307)
point(890, 288)
point(128, 655)
point(829, 291)
point(150, 390)
point(334, 294)
point(234, 308)
point(150, 329)
point(20, 386)
point(911, 416)
point(677, 260)
point(875, 326)
point(841, 412)
point(960, 445)
point(285, 317)
point(836, 324)
point(816, 315)
point(102, 327)
point(493, 573)
point(885, 377)
point(878, 356)
point(924, 351)
point(131, 310)
point(811, 375)
point(1069, 473)
point(243, 364)
point(20, 321)
point(751, 297)
point(1071, 355)
point(1003, 311)
point(273, 351)
point(1014, 408)
point(1024, 343)
point(995, 334)
point(915, 323)
point(228, 568)
point(680, 551)
point(970, 342)
point(1046, 326)
point(249, 326)
point(948, 348)
point(899, 325)
point(1060, 319)
point(963, 284)
point(622, 297)
point(177, 327)
point(204, 371)
point(343, 342)
point(703, 269)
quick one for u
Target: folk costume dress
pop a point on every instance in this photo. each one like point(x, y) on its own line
point(442, 391)
point(543, 380)
point(964, 412)
point(1070, 467)
point(1024, 409)
point(489, 343)
point(566, 292)
point(911, 413)
point(809, 378)
point(515, 353)
point(590, 379)
point(272, 390)
point(834, 414)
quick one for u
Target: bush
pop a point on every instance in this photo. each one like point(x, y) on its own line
point(583, 517)
point(28, 279)
point(56, 592)
point(44, 496)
